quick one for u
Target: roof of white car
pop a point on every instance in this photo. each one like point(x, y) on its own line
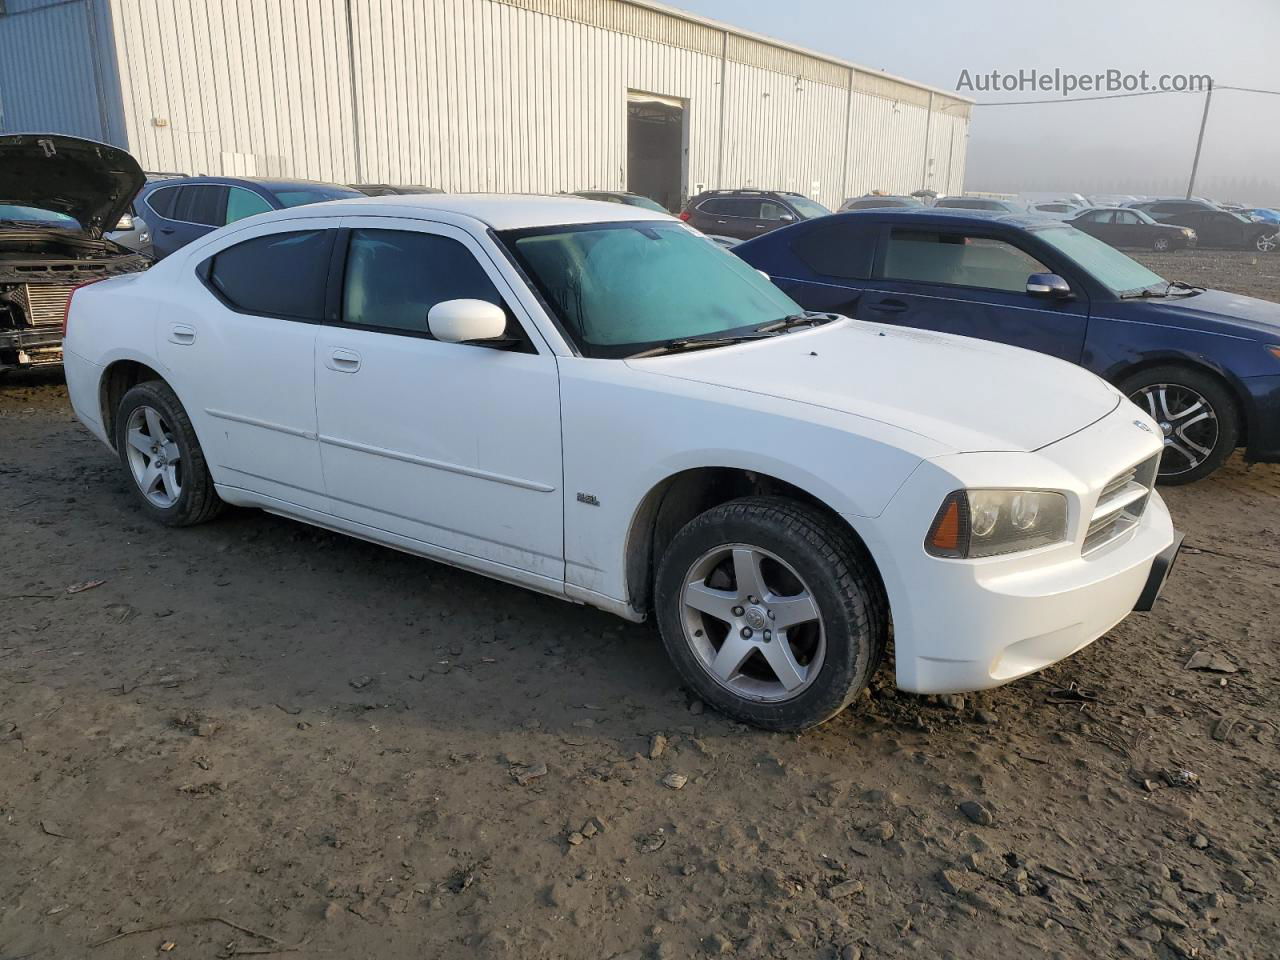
point(501, 211)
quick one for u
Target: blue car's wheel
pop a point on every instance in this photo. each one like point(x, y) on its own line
point(1196, 414)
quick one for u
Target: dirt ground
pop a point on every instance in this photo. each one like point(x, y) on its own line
point(253, 736)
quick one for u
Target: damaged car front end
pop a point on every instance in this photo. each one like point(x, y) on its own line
point(58, 195)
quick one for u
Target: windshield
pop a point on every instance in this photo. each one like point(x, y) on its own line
point(621, 288)
point(300, 196)
point(1106, 264)
point(37, 215)
point(807, 208)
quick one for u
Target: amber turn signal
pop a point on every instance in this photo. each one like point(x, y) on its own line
point(949, 535)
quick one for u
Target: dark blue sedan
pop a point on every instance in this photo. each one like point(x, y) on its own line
point(182, 209)
point(1206, 364)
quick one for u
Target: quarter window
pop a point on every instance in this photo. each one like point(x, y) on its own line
point(395, 277)
point(933, 257)
point(202, 203)
point(162, 200)
point(277, 275)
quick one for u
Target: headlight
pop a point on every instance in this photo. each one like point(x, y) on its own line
point(1188, 232)
point(988, 523)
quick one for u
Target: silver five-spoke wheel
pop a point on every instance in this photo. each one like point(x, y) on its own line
point(154, 456)
point(1187, 421)
point(752, 623)
point(1268, 242)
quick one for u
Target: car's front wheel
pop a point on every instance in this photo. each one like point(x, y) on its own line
point(771, 612)
point(1197, 417)
point(162, 456)
point(1160, 245)
point(1267, 242)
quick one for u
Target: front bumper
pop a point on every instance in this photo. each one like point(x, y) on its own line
point(30, 346)
point(963, 625)
point(1263, 418)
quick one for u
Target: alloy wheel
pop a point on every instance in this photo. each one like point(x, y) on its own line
point(1187, 421)
point(753, 623)
point(155, 459)
point(1161, 244)
point(1267, 242)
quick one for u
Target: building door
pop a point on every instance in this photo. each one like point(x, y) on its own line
point(656, 148)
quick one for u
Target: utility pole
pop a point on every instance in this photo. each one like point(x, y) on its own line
point(1204, 118)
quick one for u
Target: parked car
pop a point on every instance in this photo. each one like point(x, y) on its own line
point(1111, 199)
point(1172, 210)
point(392, 189)
point(1029, 200)
point(748, 213)
point(1055, 209)
point(133, 232)
point(1263, 214)
point(1205, 363)
point(593, 401)
point(875, 201)
point(57, 194)
point(979, 203)
point(621, 196)
point(1122, 227)
point(182, 209)
point(1221, 228)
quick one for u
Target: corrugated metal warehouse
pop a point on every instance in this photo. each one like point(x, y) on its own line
point(507, 95)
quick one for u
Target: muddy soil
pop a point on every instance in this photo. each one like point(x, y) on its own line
point(254, 736)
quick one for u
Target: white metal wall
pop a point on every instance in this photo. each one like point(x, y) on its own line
point(519, 95)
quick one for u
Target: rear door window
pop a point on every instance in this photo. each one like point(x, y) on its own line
point(845, 250)
point(162, 200)
point(927, 256)
point(277, 275)
point(202, 203)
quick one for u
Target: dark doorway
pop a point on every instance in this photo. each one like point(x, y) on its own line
point(655, 149)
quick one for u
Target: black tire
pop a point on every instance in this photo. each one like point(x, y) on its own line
point(197, 502)
point(833, 567)
point(1175, 467)
point(1160, 245)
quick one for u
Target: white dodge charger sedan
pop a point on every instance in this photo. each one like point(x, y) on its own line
point(596, 402)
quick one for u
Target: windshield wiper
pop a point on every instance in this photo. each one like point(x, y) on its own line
point(1190, 288)
point(1143, 294)
point(796, 320)
point(682, 344)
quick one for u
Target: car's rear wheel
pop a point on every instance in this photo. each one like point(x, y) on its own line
point(162, 456)
point(1197, 417)
point(1160, 244)
point(771, 612)
point(1267, 242)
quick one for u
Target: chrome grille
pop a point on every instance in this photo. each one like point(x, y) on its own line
point(46, 303)
point(1121, 504)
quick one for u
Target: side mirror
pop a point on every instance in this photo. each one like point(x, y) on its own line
point(1048, 285)
point(125, 223)
point(787, 218)
point(464, 321)
point(765, 275)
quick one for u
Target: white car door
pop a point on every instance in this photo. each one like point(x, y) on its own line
point(455, 446)
point(241, 348)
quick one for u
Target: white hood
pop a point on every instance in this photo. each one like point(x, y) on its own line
point(969, 395)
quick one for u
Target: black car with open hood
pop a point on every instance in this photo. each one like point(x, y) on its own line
point(58, 196)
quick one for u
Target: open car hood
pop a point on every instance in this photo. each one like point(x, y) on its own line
point(93, 182)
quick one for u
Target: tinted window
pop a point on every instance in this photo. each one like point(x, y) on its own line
point(931, 257)
point(395, 277)
point(204, 203)
point(732, 207)
point(838, 250)
point(279, 275)
point(243, 203)
point(162, 200)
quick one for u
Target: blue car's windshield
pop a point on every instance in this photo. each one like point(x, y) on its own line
point(1106, 264)
point(20, 213)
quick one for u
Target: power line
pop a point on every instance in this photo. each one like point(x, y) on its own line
point(1117, 96)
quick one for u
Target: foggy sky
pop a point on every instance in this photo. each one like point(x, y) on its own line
point(1137, 145)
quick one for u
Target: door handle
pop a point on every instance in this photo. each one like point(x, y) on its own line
point(182, 333)
point(889, 306)
point(166, 230)
point(720, 221)
point(343, 361)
